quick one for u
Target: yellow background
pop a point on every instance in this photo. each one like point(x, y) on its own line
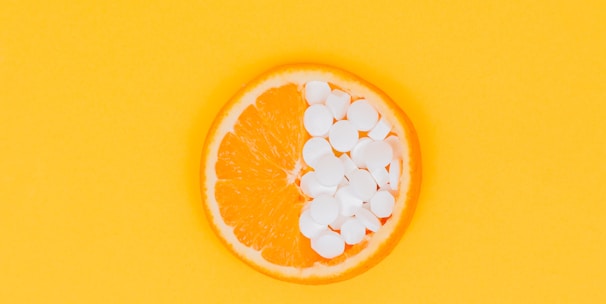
point(104, 107)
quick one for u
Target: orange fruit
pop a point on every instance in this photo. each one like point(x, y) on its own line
point(251, 168)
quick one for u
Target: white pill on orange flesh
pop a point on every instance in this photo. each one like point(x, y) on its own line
point(317, 120)
point(328, 244)
point(316, 92)
point(362, 115)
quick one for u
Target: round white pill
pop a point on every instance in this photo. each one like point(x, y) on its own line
point(362, 115)
point(314, 148)
point(329, 170)
point(369, 220)
point(348, 164)
point(310, 186)
point(377, 154)
point(336, 224)
point(344, 182)
point(343, 136)
point(317, 120)
point(381, 204)
point(324, 209)
point(380, 130)
point(362, 184)
point(394, 174)
point(308, 227)
point(316, 92)
point(328, 244)
point(381, 176)
point(348, 202)
point(338, 102)
point(353, 231)
point(357, 153)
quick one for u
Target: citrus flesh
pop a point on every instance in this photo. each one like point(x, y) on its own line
point(251, 169)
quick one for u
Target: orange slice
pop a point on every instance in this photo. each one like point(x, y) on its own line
point(251, 169)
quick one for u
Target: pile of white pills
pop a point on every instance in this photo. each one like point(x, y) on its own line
point(356, 169)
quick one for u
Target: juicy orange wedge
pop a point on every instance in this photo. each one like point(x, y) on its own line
point(251, 169)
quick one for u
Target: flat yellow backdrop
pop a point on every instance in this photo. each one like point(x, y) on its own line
point(104, 108)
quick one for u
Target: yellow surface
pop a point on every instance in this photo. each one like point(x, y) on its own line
point(104, 107)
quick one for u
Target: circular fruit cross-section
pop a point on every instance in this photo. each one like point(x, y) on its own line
point(253, 166)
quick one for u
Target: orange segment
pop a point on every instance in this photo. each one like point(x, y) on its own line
point(282, 111)
point(240, 160)
point(251, 168)
point(254, 159)
point(272, 214)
